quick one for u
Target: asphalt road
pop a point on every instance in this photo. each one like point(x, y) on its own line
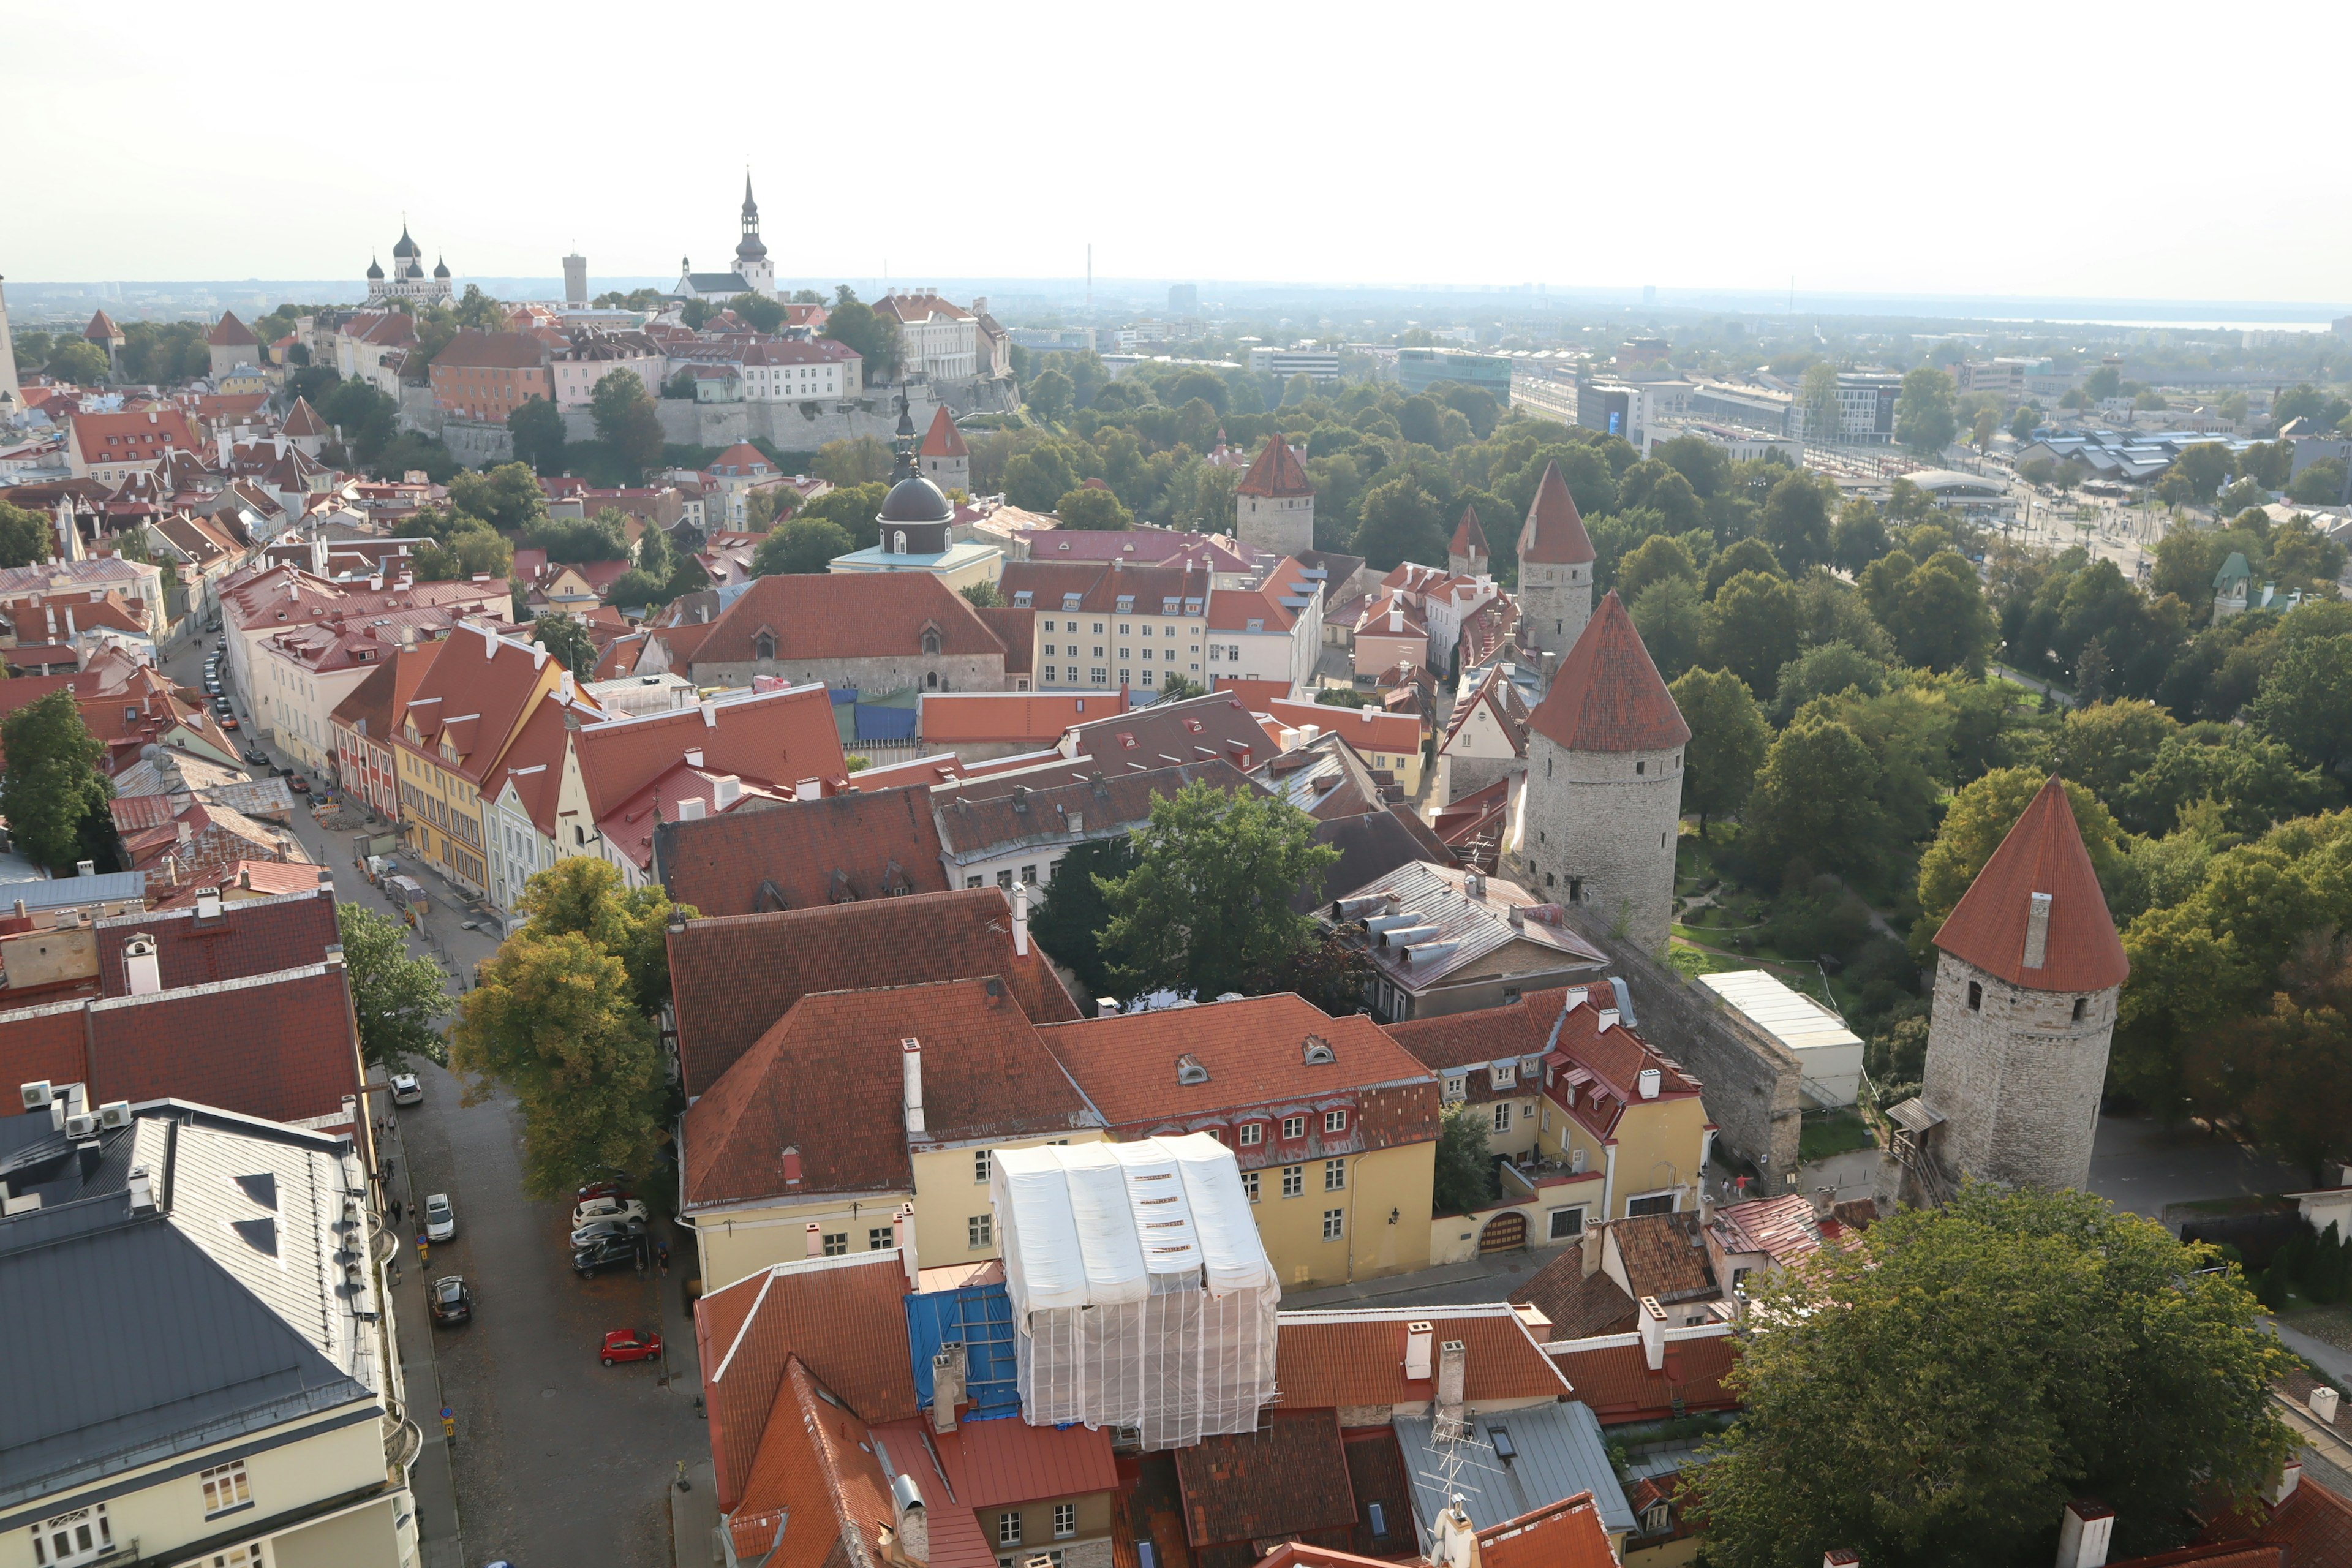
point(557, 1459)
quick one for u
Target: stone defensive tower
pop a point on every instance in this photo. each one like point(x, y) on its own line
point(1467, 555)
point(2026, 981)
point(1555, 560)
point(1274, 506)
point(1603, 799)
point(945, 458)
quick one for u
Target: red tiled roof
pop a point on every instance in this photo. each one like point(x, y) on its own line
point(863, 616)
point(249, 936)
point(101, 328)
point(1366, 728)
point(1608, 695)
point(1255, 695)
point(993, 1463)
point(487, 686)
point(1356, 1357)
point(804, 854)
point(144, 437)
point(1553, 534)
point(230, 332)
point(1619, 1386)
point(1288, 1477)
point(2315, 1524)
point(1564, 1534)
point(1015, 627)
point(813, 1469)
point(1579, 1305)
point(376, 704)
point(1197, 730)
point(1276, 472)
point(1024, 719)
point(772, 737)
point(943, 439)
point(2043, 854)
point(1232, 609)
point(492, 350)
point(1662, 1255)
point(303, 420)
point(47, 1041)
point(842, 1316)
point(732, 979)
point(826, 1081)
point(2221, 1555)
point(1468, 536)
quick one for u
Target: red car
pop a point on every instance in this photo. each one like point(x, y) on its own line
point(602, 1190)
point(631, 1344)
point(228, 723)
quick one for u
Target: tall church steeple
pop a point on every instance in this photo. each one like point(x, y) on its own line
point(750, 255)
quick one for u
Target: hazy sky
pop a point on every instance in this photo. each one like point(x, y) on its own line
point(2144, 151)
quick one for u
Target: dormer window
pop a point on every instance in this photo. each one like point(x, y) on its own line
point(1503, 1075)
point(1316, 1051)
point(1189, 1070)
point(1293, 1128)
point(1253, 1133)
point(763, 646)
point(930, 640)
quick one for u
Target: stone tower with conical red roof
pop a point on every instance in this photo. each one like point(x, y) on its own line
point(1274, 506)
point(1467, 553)
point(944, 458)
point(1598, 816)
point(2027, 974)
point(1555, 560)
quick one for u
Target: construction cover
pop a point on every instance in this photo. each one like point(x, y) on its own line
point(1141, 1294)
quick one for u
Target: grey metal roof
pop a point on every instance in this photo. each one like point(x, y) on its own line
point(1451, 927)
point(1559, 1454)
point(168, 1330)
point(55, 893)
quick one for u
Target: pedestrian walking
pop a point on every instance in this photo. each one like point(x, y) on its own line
point(395, 1211)
point(661, 1252)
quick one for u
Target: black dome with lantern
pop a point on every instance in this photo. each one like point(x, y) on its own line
point(915, 516)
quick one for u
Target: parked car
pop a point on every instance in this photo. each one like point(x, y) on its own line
point(451, 1302)
point(220, 706)
point(440, 1219)
point(227, 721)
point(257, 758)
point(613, 1208)
point(595, 1228)
point(298, 785)
point(631, 1344)
point(602, 1190)
point(406, 1089)
point(604, 1252)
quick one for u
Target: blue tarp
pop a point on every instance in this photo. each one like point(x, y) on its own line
point(841, 694)
point(980, 1316)
point(886, 723)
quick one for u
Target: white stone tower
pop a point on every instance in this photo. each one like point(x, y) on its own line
point(1555, 560)
point(1603, 800)
point(751, 255)
point(2026, 982)
point(1274, 506)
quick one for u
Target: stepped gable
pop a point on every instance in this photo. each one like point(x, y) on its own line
point(2043, 854)
point(1277, 472)
point(1609, 696)
point(1554, 534)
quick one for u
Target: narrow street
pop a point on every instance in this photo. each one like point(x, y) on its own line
point(557, 1459)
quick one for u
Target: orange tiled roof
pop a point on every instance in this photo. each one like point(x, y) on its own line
point(1564, 1534)
point(943, 439)
point(1579, 1305)
point(1608, 695)
point(1276, 472)
point(1288, 1477)
point(1617, 1382)
point(2043, 854)
point(1356, 1357)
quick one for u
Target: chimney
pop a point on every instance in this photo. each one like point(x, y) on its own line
point(140, 967)
point(141, 1190)
point(1654, 1333)
point(2283, 1487)
point(1474, 885)
point(948, 1385)
point(208, 903)
point(815, 1239)
point(2322, 1401)
point(2083, 1531)
point(911, 1054)
point(694, 757)
point(1705, 1206)
point(85, 867)
point(729, 789)
point(691, 810)
point(1452, 1365)
point(1021, 920)
point(1458, 1539)
point(1841, 1557)
point(1518, 917)
point(1416, 1351)
point(913, 1543)
point(1105, 1007)
point(1646, 1083)
point(807, 789)
point(2037, 931)
point(902, 1235)
point(1607, 1019)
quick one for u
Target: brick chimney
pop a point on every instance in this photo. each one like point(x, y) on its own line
point(1452, 1372)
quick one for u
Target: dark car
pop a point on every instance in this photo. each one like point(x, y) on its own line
point(258, 759)
point(451, 1302)
point(597, 1230)
point(604, 1252)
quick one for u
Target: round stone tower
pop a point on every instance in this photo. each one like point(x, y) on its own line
point(1555, 560)
point(2027, 977)
point(1603, 799)
point(1274, 506)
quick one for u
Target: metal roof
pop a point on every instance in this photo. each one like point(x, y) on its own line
point(1451, 927)
point(55, 893)
point(1792, 1018)
point(1558, 1453)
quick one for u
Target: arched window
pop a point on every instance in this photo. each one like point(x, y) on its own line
point(933, 681)
point(763, 646)
point(930, 639)
point(899, 543)
point(2081, 1005)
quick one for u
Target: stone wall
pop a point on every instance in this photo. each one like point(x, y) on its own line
point(1748, 1080)
point(2017, 1079)
point(1465, 775)
point(476, 442)
point(873, 412)
point(1597, 828)
point(889, 672)
point(1554, 603)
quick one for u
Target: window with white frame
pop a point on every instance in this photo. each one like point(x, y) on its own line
point(1293, 1127)
point(1293, 1180)
point(81, 1536)
point(1065, 1520)
point(980, 1165)
point(1253, 1133)
point(1008, 1527)
point(1335, 1175)
point(1503, 1075)
point(1249, 1185)
point(1502, 1116)
point(1458, 1086)
point(1335, 1223)
point(1335, 1121)
point(980, 1230)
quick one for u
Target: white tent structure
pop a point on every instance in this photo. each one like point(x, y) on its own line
point(1141, 1294)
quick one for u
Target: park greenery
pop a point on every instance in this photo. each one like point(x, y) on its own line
point(52, 794)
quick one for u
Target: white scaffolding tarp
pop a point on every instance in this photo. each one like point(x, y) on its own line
point(1141, 1294)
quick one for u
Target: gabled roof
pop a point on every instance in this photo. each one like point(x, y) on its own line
point(101, 328)
point(769, 737)
point(1366, 728)
point(377, 702)
point(230, 332)
point(1027, 719)
point(1288, 1477)
point(1553, 534)
point(1469, 539)
point(1993, 924)
point(815, 1107)
point(1579, 1305)
point(1564, 1534)
point(1277, 471)
point(989, 816)
point(861, 616)
point(1608, 696)
point(1285, 591)
point(492, 350)
point(1197, 730)
point(480, 688)
point(943, 439)
point(732, 979)
point(804, 854)
point(1617, 1382)
point(249, 936)
point(1355, 1356)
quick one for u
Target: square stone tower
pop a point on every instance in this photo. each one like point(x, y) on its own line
point(1274, 506)
point(2027, 977)
point(1468, 555)
point(1555, 559)
point(1602, 802)
point(944, 459)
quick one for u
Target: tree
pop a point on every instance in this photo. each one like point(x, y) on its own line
point(567, 640)
point(1796, 520)
point(584, 895)
point(1858, 537)
point(78, 360)
point(1655, 559)
point(1938, 616)
point(626, 418)
point(758, 311)
point(2024, 422)
point(1401, 521)
point(1752, 628)
point(2306, 699)
point(2322, 484)
point(1743, 555)
point(1464, 1176)
point(1050, 395)
point(1728, 740)
point(1825, 670)
point(1095, 509)
point(875, 337)
point(1937, 1392)
point(1208, 903)
point(983, 595)
point(24, 536)
point(1816, 798)
point(465, 553)
point(861, 460)
point(2105, 382)
point(1980, 817)
point(506, 496)
point(1924, 416)
point(537, 429)
point(51, 791)
point(1660, 488)
point(1824, 416)
point(397, 999)
point(1980, 434)
point(2288, 1072)
point(805, 546)
point(1068, 922)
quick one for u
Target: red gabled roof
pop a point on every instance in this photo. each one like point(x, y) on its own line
point(992, 1464)
point(805, 854)
point(303, 420)
point(1288, 1477)
point(1608, 695)
point(230, 332)
point(1277, 472)
point(1468, 536)
point(1617, 1383)
point(943, 439)
point(1564, 1534)
point(770, 737)
point(1553, 534)
point(101, 328)
point(2043, 854)
point(1356, 1356)
point(865, 615)
point(1366, 728)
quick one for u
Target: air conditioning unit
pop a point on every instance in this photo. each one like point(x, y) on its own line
point(114, 1113)
point(37, 1094)
point(82, 1126)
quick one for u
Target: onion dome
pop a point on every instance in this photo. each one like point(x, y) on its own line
point(915, 500)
